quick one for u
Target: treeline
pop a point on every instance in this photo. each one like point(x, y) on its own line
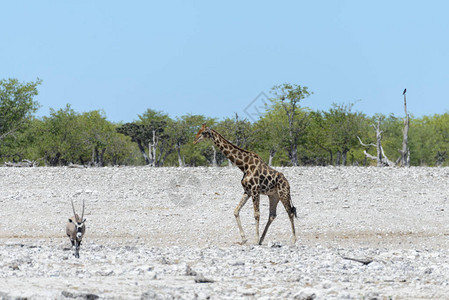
point(287, 134)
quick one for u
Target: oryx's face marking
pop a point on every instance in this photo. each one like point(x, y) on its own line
point(79, 228)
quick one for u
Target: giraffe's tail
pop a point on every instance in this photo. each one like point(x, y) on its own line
point(294, 211)
point(292, 208)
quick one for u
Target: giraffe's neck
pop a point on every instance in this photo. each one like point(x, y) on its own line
point(235, 154)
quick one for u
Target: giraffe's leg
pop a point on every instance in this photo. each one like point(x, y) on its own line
point(237, 216)
point(285, 199)
point(256, 214)
point(274, 200)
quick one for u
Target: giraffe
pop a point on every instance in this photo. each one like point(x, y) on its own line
point(258, 178)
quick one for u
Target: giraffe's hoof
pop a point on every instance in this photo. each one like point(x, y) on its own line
point(256, 241)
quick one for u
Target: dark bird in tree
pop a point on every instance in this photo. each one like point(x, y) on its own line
point(405, 90)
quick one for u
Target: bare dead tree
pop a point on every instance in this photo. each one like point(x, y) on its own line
point(214, 159)
point(22, 164)
point(381, 158)
point(405, 151)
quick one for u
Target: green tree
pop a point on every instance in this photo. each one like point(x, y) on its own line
point(240, 132)
point(318, 146)
point(342, 128)
point(423, 142)
point(96, 134)
point(122, 151)
point(200, 154)
point(151, 130)
point(139, 134)
point(161, 145)
point(289, 96)
point(441, 129)
point(271, 133)
point(392, 136)
point(429, 140)
point(61, 140)
point(17, 105)
point(182, 131)
point(24, 144)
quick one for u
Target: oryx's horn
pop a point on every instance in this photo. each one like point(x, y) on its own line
point(74, 213)
point(82, 214)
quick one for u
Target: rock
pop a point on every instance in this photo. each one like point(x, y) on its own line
point(87, 296)
point(151, 295)
point(190, 272)
point(306, 294)
point(90, 296)
point(275, 245)
point(201, 279)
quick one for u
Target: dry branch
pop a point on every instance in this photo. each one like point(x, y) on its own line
point(365, 261)
point(23, 164)
point(381, 158)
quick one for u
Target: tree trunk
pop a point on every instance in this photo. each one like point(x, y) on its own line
point(92, 158)
point(152, 150)
point(405, 151)
point(337, 162)
point(101, 159)
point(344, 157)
point(229, 163)
point(270, 158)
point(97, 158)
point(214, 158)
point(379, 144)
point(162, 161)
point(151, 158)
point(144, 154)
point(154, 145)
point(178, 149)
point(294, 155)
point(158, 162)
point(54, 161)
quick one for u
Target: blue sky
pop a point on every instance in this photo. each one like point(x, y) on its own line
point(211, 58)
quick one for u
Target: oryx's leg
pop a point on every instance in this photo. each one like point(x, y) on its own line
point(274, 199)
point(237, 216)
point(77, 249)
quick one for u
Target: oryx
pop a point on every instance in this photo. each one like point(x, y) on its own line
point(75, 229)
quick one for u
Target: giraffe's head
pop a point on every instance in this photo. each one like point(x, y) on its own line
point(203, 133)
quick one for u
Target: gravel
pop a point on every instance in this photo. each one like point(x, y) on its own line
point(169, 233)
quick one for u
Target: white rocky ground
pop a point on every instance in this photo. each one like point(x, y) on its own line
point(160, 233)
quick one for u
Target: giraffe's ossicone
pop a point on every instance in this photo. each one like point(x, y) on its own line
point(258, 179)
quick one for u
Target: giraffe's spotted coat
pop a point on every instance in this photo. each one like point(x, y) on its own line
point(258, 179)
